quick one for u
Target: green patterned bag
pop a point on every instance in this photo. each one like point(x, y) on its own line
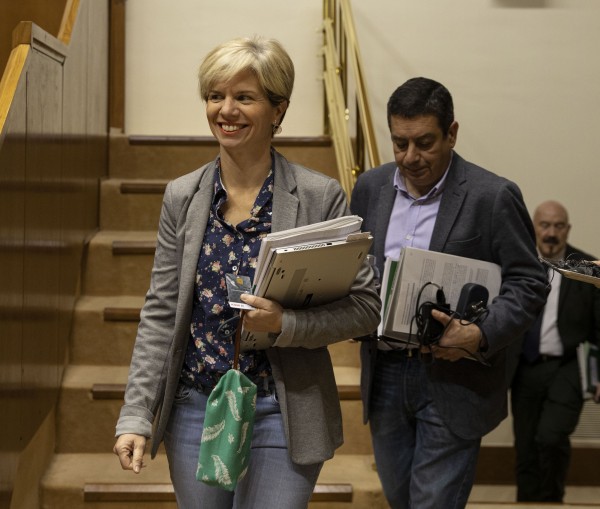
point(228, 426)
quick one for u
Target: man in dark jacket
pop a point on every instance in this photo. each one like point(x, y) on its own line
point(427, 416)
point(546, 394)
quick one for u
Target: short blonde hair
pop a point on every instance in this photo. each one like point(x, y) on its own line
point(266, 58)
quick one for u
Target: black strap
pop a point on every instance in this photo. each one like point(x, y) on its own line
point(237, 341)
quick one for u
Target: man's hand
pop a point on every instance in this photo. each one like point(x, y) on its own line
point(266, 317)
point(458, 340)
point(130, 450)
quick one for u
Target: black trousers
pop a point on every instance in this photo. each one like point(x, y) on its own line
point(546, 403)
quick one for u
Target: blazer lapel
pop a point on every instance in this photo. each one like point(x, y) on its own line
point(285, 203)
point(193, 233)
point(387, 197)
point(452, 200)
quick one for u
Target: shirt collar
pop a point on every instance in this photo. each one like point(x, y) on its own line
point(435, 190)
point(220, 193)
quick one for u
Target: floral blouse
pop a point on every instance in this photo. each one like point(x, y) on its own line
point(225, 249)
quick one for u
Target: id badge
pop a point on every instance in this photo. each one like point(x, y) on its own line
point(236, 285)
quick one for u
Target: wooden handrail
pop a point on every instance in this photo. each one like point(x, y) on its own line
point(341, 54)
point(361, 89)
point(10, 81)
point(338, 113)
point(25, 36)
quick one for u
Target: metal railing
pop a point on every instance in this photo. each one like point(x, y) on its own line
point(347, 114)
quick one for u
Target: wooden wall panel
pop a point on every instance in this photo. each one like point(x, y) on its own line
point(85, 150)
point(117, 65)
point(53, 153)
point(42, 239)
point(12, 214)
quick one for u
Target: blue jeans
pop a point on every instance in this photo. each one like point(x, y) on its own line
point(420, 462)
point(273, 481)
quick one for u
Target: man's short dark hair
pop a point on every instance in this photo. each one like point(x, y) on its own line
point(422, 96)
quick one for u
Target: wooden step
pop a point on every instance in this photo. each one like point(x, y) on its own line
point(119, 263)
point(88, 481)
point(115, 314)
point(92, 396)
point(168, 157)
point(126, 492)
point(104, 329)
point(131, 204)
point(143, 187)
point(117, 391)
point(133, 247)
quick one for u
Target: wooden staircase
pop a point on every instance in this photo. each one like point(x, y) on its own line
point(84, 473)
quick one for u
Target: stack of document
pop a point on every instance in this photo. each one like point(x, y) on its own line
point(588, 357)
point(309, 265)
point(403, 280)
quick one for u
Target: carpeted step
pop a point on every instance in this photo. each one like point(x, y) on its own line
point(169, 157)
point(119, 263)
point(91, 398)
point(130, 204)
point(73, 478)
point(104, 330)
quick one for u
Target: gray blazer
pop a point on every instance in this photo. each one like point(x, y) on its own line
point(481, 216)
point(301, 364)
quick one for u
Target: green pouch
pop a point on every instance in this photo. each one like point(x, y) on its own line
point(227, 434)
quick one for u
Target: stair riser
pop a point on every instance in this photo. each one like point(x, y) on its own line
point(357, 437)
point(84, 424)
point(169, 161)
point(62, 499)
point(95, 341)
point(88, 425)
point(98, 342)
point(108, 274)
point(128, 211)
point(139, 161)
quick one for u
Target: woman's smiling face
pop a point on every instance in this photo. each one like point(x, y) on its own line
point(240, 115)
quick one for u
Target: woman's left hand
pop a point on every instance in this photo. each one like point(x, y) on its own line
point(266, 317)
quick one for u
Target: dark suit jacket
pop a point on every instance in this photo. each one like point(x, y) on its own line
point(578, 309)
point(578, 321)
point(481, 216)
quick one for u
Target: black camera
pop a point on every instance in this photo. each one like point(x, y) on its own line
point(472, 301)
point(471, 304)
point(431, 330)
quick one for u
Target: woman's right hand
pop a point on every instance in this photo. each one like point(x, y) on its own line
point(130, 450)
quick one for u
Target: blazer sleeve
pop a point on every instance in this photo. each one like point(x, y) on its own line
point(524, 283)
point(352, 316)
point(154, 339)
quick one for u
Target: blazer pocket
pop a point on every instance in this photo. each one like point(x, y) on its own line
point(464, 247)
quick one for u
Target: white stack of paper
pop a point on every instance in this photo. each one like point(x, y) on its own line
point(588, 358)
point(403, 280)
point(307, 266)
point(334, 229)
